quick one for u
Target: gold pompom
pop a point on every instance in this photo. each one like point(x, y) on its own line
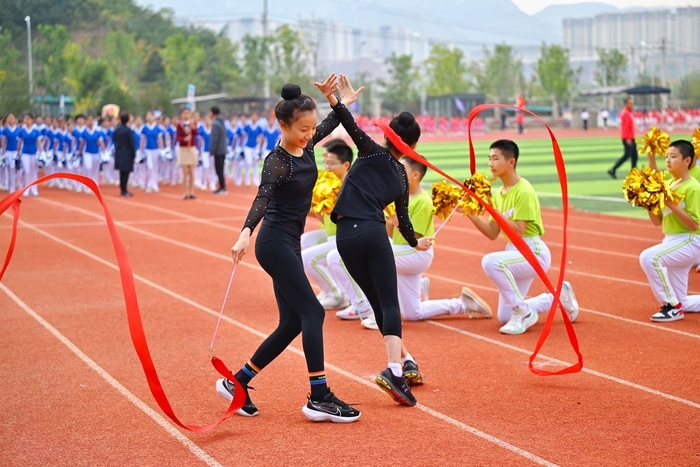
point(655, 142)
point(325, 192)
point(695, 139)
point(648, 189)
point(445, 199)
point(481, 186)
point(390, 210)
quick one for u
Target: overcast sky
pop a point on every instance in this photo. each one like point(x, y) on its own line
point(533, 6)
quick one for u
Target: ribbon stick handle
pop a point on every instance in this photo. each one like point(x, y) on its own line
point(221, 313)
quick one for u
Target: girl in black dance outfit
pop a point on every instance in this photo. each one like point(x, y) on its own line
point(284, 200)
point(374, 181)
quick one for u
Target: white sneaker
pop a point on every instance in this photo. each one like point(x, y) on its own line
point(332, 302)
point(425, 288)
point(370, 323)
point(568, 299)
point(521, 319)
point(359, 311)
point(475, 305)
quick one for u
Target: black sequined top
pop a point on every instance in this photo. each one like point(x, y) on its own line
point(287, 182)
point(374, 181)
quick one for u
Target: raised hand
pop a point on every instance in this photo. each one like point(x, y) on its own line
point(347, 94)
point(329, 86)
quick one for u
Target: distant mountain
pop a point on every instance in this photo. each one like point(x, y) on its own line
point(463, 22)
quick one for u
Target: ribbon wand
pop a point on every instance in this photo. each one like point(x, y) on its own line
point(221, 313)
point(450, 216)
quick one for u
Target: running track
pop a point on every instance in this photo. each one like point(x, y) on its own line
point(74, 392)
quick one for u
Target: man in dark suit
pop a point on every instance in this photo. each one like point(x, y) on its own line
point(124, 152)
point(218, 148)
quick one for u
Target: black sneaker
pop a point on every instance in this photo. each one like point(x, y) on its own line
point(226, 389)
point(668, 313)
point(330, 408)
point(412, 374)
point(611, 172)
point(396, 387)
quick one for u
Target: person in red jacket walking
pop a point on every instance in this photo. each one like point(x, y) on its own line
point(627, 134)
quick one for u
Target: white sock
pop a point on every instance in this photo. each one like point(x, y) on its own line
point(407, 358)
point(396, 369)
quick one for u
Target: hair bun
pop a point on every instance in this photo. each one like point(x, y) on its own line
point(290, 92)
point(406, 119)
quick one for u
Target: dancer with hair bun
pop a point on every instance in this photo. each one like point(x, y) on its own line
point(375, 180)
point(282, 204)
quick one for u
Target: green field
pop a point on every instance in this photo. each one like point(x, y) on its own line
point(587, 161)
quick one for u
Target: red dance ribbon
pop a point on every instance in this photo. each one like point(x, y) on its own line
point(519, 243)
point(133, 314)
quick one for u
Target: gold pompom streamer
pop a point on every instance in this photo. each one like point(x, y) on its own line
point(648, 189)
point(655, 142)
point(446, 197)
point(325, 192)
point(695, 139)
point(481, 186)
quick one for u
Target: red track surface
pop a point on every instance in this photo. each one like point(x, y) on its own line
point(637, 402)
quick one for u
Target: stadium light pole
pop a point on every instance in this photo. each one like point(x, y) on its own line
point(28, 20)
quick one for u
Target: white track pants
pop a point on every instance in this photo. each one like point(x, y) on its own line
point(667, 265)
point(30, 169)
point(152, 169)
point(316, 266)
point(9, 173)
point(512, 275)
point(91, 168)
point(250, 166)
point(410, 266)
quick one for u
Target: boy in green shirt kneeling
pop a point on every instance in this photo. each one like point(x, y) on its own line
point(667, 264)
point(509, 270)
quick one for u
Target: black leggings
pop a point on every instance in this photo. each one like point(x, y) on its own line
point(368, 257)
point(219, 167)
point(630, 153)
point(279, 254)
point(123, 181)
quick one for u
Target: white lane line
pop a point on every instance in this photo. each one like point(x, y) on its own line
point(605, 233)
point(337, 369)
point(554, 268)
point(578, 216)
point(563, 363)
point(198, 452)
point(435, 276)
point(587, 310)
point(249, 198)
point(113, 199)
point(151, 235)
point(546, 194)
point(151, 222)
point(641, 323)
